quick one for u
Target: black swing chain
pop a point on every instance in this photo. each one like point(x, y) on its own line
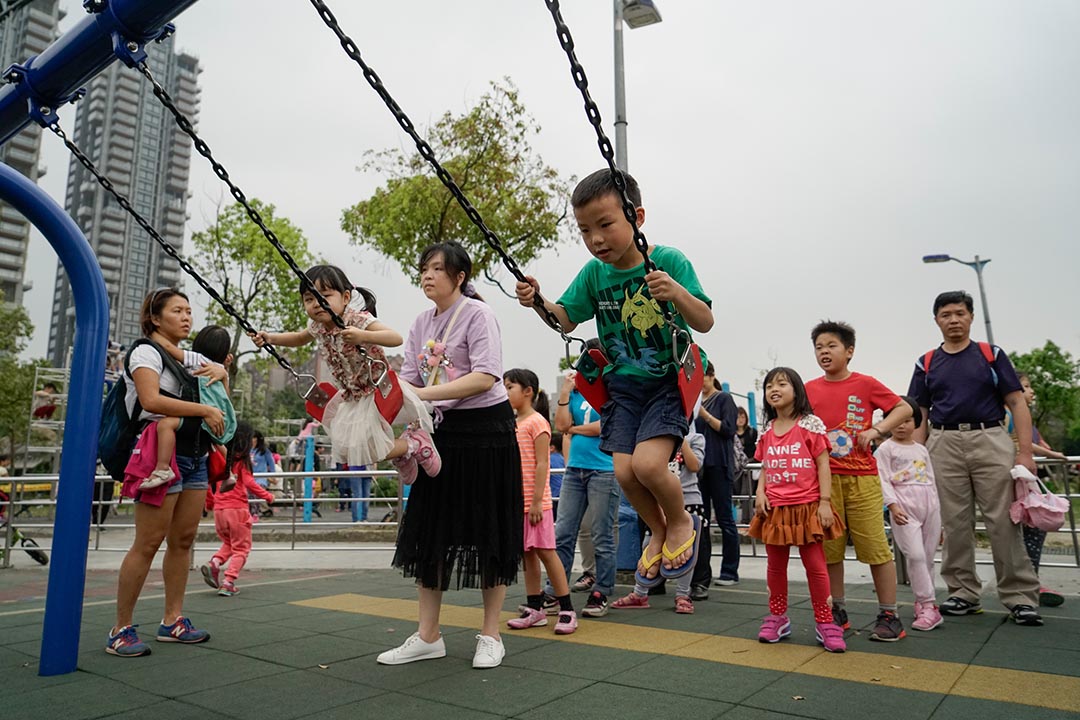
point(124, 203)
point(203, 149)
point(493, 241)
point(577, 71)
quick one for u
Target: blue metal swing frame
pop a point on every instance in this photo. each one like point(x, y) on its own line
point(114, 30)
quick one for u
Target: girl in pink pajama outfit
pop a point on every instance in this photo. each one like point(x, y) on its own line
point(232, 517)
point(907, 485)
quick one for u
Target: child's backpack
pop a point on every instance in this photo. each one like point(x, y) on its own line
point(1035, 505)
point(119, 430)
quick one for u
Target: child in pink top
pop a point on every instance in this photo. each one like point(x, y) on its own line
point(792, 505)
point(907, 484)
point(533, 435)
point(232, 518)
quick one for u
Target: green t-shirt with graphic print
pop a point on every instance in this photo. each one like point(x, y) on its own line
point(629, 323)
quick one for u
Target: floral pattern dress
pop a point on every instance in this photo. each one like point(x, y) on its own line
point(359, 434)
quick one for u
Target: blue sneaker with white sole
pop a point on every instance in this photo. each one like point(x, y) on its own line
point(181, 631)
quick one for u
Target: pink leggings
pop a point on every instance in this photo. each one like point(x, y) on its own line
point(813, 559)
point(233, 526)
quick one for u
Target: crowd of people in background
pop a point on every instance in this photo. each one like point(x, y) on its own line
point(480, 442)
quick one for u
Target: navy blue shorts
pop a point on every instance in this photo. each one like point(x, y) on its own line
point(640, 409)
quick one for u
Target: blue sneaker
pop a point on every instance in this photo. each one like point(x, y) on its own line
point(181, 631)
point(126, 643)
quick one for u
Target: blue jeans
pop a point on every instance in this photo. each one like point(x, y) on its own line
point(583, 489)
point(355, 487)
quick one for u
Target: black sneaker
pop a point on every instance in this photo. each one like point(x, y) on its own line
point(699, 592)
point(888, 627)
point(597, 605)
point(960, 606)
point(583, 583)
point(1025, 615)
point(551, 605)
point(839, 617)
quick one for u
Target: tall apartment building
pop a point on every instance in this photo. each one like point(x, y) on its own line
point(134, 141)
point(23, 33)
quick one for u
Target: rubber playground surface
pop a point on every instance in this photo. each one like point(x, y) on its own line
point(302, 644)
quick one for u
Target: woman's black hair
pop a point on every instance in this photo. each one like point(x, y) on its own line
point(528, 379)
point(239, 448)
point(801, 406)
point(331, 277)
point(214, 342)
point(260, 441)
point(455, 260)
point(711, 370)
point(154, 304)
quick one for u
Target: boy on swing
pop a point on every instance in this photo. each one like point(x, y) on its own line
point(643, 422)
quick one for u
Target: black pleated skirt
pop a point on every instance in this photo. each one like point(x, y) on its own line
point(464, 527)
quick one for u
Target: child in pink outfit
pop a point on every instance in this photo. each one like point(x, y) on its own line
point(907, 485)
point(232, 518)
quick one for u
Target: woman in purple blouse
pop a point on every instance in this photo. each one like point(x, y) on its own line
point(466, 523)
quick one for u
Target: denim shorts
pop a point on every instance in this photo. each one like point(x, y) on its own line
point(192, 474)
point(640, 409)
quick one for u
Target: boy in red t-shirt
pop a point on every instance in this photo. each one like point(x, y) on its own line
point(845, 401)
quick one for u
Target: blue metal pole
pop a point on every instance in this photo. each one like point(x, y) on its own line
point(67, 571)
point(751, 402)
point(309, 465)
point(52, 78)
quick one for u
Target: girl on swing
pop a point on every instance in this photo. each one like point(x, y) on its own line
point(359, 435)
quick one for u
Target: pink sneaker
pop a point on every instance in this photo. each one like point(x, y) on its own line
point(406, 468)
point(831, 637)
point(424, 451)
point(567, 622)
point(529, 618)
point(633, 601)
point(774, 628)
point(927, 617)
point(211, 573)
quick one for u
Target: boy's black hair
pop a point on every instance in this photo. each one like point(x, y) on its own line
point(802, 400)
point(239, 448)
point(601, 183)
point(954, 297)
point(455, 260)
point(48, 385)
point(842, 330)
point(331, 277)
point(527, 379)
point(556, 440)
point(214, 342)
point(916, 413)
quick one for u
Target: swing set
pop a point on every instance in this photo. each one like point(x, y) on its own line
point(121, 30)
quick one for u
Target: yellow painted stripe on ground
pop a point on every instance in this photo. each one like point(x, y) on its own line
point(1059, 692)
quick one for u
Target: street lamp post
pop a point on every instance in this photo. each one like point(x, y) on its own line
point(977, 265)
point(635, 13)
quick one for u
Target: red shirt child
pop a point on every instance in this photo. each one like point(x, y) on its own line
point(788, 464)
point(847, 408)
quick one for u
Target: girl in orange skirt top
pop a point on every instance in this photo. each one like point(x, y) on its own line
point(792, 505)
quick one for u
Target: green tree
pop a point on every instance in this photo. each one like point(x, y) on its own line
point(16, 378)
point(246, 270)
point(488, 153)
point(1055, 377)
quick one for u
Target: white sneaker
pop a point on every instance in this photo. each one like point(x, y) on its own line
point(412, 650)
point(489, 652)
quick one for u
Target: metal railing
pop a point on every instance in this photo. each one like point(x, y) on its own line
point(300, 503)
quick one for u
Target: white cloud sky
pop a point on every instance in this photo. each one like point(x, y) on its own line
point(803, 155)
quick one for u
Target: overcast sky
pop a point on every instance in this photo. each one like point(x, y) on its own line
point(804, 155)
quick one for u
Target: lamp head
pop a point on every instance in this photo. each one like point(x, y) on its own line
point(639, 13)
point(936, 258)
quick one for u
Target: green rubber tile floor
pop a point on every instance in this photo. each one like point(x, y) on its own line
point(296, 645)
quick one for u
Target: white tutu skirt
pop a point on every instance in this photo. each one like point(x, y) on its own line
point(359, 435)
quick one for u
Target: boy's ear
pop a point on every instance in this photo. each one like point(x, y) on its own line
point(640, 212)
